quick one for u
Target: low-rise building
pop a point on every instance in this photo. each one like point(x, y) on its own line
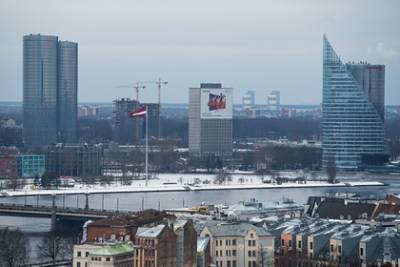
point(155, 246)
point(31, 165)
point(103, 255)
point(203, 252)
point(239, 244)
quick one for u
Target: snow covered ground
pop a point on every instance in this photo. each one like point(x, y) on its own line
point(170, 182)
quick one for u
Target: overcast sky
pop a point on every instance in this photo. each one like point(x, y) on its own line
point(248, 45)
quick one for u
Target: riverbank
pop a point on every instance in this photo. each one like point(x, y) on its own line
point(156, 186)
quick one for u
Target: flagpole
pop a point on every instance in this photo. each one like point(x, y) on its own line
point(147, 147)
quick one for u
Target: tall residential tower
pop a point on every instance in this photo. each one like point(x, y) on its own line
point(353, 111)
point(50, 74)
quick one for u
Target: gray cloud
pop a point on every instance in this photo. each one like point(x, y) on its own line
point(259, 45)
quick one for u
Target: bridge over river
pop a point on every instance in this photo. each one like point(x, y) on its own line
point(57, 214)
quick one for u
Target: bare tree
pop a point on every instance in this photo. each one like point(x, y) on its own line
point(54, 247)
point(13, 248)
point(222, 177)
point(331, 170)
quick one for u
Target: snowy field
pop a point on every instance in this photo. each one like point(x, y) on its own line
point(185, 182)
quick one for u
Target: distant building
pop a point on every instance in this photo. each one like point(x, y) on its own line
point(126, 129)
point(75, 160)
point(8, 167)
point(49, 90)
point(248, 104)
point(152, 109)
point(274, 103)
point(352, 112)
point(210, 121)
point(103, 255)
point(239, 244)
point(31, 165)
point(88, 111)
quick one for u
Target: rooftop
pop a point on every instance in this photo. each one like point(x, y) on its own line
point(235, 229)
point(113, 250)
point(151, 232)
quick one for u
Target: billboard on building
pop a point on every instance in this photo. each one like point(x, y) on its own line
point(216, 103)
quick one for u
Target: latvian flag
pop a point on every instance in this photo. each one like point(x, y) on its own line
point(139, 112)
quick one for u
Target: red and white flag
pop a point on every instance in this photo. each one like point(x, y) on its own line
point(139, 112)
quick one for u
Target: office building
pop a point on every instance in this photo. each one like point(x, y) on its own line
point(210, 121)
point(31, 165)
point(75, 160)
point(274, 103)
point(126, 129)
point(49, 90)
point(352, 112)
point(67, 91)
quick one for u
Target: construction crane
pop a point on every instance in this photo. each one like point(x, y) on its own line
point(159, 83)
point(137, 87)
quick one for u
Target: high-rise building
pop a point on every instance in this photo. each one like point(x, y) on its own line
point(67, 91)
point(248, 100)
point(152, 112)
point(352, 111)
point(210, 121)
point(49, 90)
point(274, 103)
point(126, 129)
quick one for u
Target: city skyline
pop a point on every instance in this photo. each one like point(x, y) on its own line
point(256, 54)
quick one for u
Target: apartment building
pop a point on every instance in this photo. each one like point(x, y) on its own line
point(103, 255)
point(239, 244)
point(155, 246)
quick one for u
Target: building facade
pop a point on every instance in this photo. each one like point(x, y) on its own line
point(31, 165)
point(274, 104)
point(239, 244)
point(49, 90)
point(75, 160)
point(126, 129)
point(352, 111)
point(210, 121)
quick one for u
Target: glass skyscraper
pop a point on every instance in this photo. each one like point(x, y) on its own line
point(353, 111)
point(49, 90)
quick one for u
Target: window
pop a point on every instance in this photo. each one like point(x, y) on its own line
point(290, 243)
point(78, 264)
point(311, 245)
point(249, 253)
point(233, 263)
point(249, 264)
point(361, 251)
point(254, 243)
point(234, 242)
point(251, 235)
point(249, 243)
point(108, 259)
point(254, 253)
point(87, 254)
point(299, 244)
point(216, 243)
point(216, 253)
point(254, 264)
point(78, 253)
point(228, 264)
point(234, 252)
point(226, 242)
point(220, 242)
point(340, 249)
point(331, 248)
point(311, 255)
point(283, 242)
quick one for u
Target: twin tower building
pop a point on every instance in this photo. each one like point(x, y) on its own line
point(50, 86)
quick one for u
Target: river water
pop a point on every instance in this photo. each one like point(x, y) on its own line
point(35, 228)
